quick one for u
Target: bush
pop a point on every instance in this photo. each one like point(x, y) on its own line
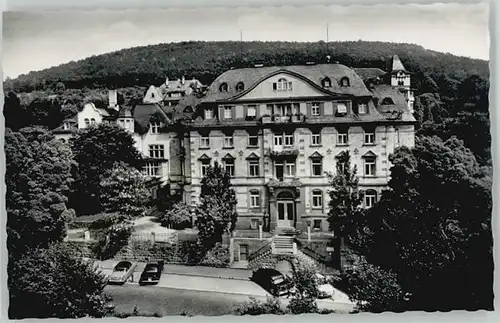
point(255, 307)
point(218, 257)
point(178, 217)
point(114, 239)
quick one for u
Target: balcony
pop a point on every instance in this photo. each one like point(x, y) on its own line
point(280, 119)
point(293, 182)
point(282, 152)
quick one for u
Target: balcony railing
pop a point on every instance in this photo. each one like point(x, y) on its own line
point(289, 118)
point(282, 151)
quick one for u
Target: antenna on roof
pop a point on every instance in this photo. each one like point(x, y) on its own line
point(241, 46)
point(327, 38)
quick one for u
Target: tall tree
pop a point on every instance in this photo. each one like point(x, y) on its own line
point(216, 214)
point(15, 114)
point(96, 150)
point(38, 178)
point(432, 228)
point(345, 197)
point(123, 190)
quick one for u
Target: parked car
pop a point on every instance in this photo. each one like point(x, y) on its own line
point(122, 272)
point(325, 290)
point(271, 280)
point(151, 273)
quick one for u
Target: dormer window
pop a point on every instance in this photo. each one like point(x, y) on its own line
point(240, 86)
point(92, 122)
point(223, 87)
point(362, 108)
point(155, 128)
point(387, 101)
point(209, 114)
point(188, 109)
point(327, 82)
point(344, 82)
point(282, 85)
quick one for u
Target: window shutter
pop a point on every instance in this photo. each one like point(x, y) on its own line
point(322, 108)
point(275, 86)
point(308, 109)
point(221, 112)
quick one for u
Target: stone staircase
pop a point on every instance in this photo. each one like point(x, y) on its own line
point(283, 245)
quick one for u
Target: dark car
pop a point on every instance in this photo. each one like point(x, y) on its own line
point(122, 272)
point(151, 273)
point(271, 280)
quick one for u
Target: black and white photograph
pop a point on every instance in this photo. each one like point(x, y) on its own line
point(243, 161)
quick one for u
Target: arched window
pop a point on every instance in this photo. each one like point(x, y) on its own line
point(240, 86)
point(223, 87)
point(92, 121)
point(345, 82)
point(387, 101)
point(370, 198)
point(317, 199)
point(188, 109)
point(327, 82)
point(62, 140)
point(282, 85)
point(87, 122)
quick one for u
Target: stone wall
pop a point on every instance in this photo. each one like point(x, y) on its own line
point(252, 244)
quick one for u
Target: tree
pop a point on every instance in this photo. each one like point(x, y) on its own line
point(345, 198)
point(432, 228)
point(46, 112)
point(306, 290)
point(15, 114)
point(38, 177)
point(371, 287)
point(96, 150)
point(48, 283)
point(123, 190)
point(178, 217)
point(216, 214)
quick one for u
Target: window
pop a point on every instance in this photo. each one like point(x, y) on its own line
point(228, 112)
point(327, 82)
point(341, 167)
point(369, 137)
point(223, 87)
point(122, 123)
point(316, 139)
point(228, 141)
point(204, 166)
point(317, 224)
point(87, 122)
point(156, 151)
point(317, 199)
point(289, 139)
point(253, 139)
point(315, 111)
point(209, 114)
point(229, 166)
point(251, 111)
point(155, 128)
point(66, 126)
point(342, 138)
point(205, 141)
point(254, 198)
point(387, 101)
point(253, 168)
point(369, 166)
point(188, 109)
point(243, 252)
point(240, 86)
point(317, 166)
point(278, 139)
point(152, 169)
point(284, 109)
point(92, 122)
point(370, 198)
point(282, 85)
point(341, 108)
point(362, 108)
point(284, 169)
point(345, 82)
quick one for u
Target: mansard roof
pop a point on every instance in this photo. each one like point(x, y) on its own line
point(144, 112)
point(313, 74)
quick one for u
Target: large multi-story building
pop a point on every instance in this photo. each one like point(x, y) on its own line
point(277, 130)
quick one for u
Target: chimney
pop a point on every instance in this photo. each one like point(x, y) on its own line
point(113, 99)
point(183, 80)
point(166, 82)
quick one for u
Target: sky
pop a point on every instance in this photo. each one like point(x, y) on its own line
point(34, 40)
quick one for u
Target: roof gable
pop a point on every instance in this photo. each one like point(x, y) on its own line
point(204, 157)
point(228, 157)
point(253, 156)
point(316, 155)
point(397, 65)
point(369, 154)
